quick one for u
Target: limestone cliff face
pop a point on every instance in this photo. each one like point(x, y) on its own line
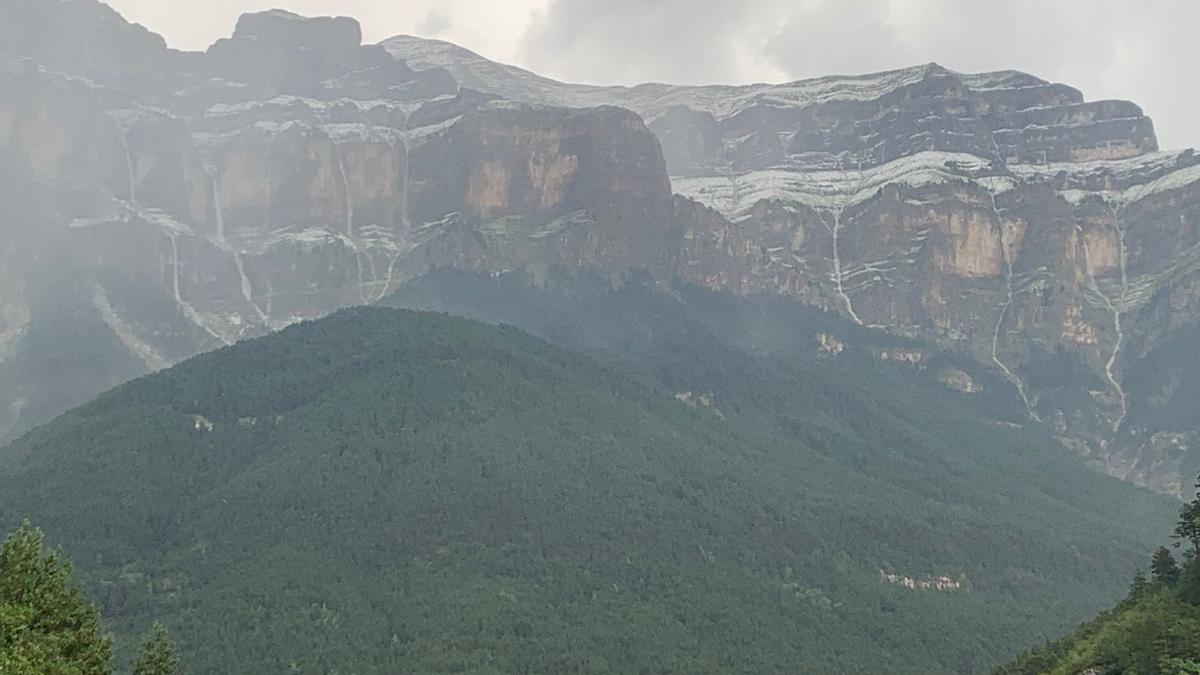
point(835, 122)
point(287, 172)
point(994, 213)
point(87, 39)
point(1065, 277)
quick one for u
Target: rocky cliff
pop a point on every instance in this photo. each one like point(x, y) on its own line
point(161, 203)
point(993, 213)
point(286, 172)
point(834, 122)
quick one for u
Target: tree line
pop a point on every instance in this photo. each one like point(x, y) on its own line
point(1154, 631)
point(47, 626)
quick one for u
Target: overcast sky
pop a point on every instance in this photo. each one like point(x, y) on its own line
point(1143, 50)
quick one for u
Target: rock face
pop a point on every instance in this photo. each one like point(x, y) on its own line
point(1064, 277)
point(84, 38)
point(159, 203)
point(287, 172)
point(834, 122)
point(994, 213)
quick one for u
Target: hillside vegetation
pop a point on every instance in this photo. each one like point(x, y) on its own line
point(386, 491)
point(1154, 631)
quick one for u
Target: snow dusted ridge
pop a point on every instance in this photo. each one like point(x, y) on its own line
point(833, 122)
point(651, 100)
point(1112, 174)
point(735, 195)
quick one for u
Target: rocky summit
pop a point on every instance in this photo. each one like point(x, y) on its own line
point(158, 204)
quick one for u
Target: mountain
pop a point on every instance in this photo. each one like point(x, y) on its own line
point(387, 490)
point(995, 213)
point(168, 203)
point(285, 173)
point(1152, 632)
point(834, 122)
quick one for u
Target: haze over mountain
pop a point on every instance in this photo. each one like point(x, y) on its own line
point(387, 491)
point(819, 376)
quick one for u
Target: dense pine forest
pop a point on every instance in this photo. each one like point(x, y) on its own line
point(47, 627)
point(1155, 630)
point(522, 337)
point(398, 491)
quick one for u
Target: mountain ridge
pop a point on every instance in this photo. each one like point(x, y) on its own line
point(524, 502)
point(191, 200)
point(1025, 94)
point(436, 53)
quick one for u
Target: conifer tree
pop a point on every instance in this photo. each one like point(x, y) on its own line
point(46, 625)
point(1140, 585)
point(1188, 528)
point(1164, 568)
point(158, 654)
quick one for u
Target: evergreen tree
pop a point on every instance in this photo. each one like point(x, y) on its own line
point(1188, 528)
point(1189, 582)
point(46, 625)
point(1164, 568)
point(1139, 586)
point(158, 654)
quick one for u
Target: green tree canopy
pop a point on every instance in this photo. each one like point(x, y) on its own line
point(158, 655)
point(46, 625)
point(1188, 528)
point(1155, 631)
point(1163, 567)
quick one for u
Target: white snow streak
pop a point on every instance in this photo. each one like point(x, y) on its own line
point(1112, 306)
point(1008, 302)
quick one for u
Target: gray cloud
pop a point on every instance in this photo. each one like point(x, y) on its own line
point(815, 42)
point(436, 23)
point(625, 41)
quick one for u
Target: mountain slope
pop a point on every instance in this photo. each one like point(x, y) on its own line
point(384, 490)
point(997, 214)
point(890, 406)
point(1154, 631)
point(1151, 632)
point(191, 200)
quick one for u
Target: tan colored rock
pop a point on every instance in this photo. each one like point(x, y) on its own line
point(960, 381)
point(1111, 150)
point(694, 400)
point(551, 173)
point(1012, 236)
point(1075, 329)
point(1103, 249)
point(829, 344)
point(487, 189)
point(912, 357)
point(970, 246)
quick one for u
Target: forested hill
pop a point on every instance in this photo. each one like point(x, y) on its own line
point(394, 491)
point(1154, 631)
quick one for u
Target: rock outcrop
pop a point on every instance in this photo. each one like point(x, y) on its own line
point(160, 203)
point(995, 213)
point(287, 172)
point(834, 122)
